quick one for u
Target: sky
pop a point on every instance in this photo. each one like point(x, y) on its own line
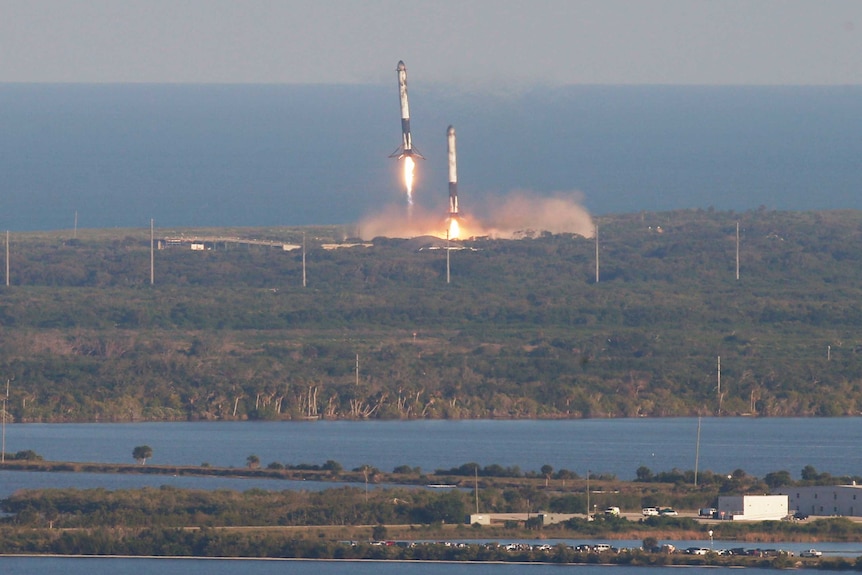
point(496, 44)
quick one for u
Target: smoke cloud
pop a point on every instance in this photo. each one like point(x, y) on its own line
point(518, 215)
point(398, 222)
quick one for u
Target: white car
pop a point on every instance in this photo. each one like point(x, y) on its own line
point(811, 553)
point(668, 512)
point(647, 511)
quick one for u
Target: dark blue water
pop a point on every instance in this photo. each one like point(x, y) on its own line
point(211, 155)
point(617, 446)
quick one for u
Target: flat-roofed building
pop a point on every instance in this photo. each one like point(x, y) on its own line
point(826, 500)
point(501, 518)
point(752, 507)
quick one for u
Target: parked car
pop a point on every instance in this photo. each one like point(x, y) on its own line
point(613, 511)
point(647, 511)
point(697, 551)
point(707, 512)
point(668, 512)
point(800, 515)
point(811, 553)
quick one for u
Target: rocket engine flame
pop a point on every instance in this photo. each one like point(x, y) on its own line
point(454, 229)
point(409, 165)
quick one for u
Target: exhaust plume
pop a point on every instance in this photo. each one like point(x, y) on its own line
point(523, 214)
point(519, 215)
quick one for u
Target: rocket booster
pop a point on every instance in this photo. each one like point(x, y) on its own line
point(453, 172)
point(406, 139)
point(406, 147)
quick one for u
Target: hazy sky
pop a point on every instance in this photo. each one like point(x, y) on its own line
point(476, 43)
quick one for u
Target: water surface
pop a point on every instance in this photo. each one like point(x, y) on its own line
point(616, 446)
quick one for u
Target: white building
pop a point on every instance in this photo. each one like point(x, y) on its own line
point(826, 500)
point(753, 507)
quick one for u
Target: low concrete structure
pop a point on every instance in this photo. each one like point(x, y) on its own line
point(753, 507)
point(825, 500)
point(343, 246)
point(498, 518)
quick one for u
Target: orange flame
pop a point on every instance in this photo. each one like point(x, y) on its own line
point(454, 228)
point(409, 164)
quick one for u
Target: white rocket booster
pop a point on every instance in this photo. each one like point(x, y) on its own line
point(406, 147)
point(453, 172)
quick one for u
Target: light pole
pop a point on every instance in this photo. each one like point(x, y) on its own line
point(5, 403)
point(588, 496)
point(710, 539)
point(365, 473)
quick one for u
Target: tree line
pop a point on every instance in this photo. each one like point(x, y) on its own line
point(528, 492)
point(522, 331)
point(216, 543)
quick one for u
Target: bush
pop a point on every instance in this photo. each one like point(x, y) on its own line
point(27, 455)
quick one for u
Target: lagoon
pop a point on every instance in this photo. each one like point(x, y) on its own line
point(617, 446)
point(614, 446)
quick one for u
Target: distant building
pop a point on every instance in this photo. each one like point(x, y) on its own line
point(845, 500)
point(753, 507)
point(501, 518)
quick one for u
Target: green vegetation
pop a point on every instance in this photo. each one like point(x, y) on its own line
point(352, 522)
point(348, 506)
point(141, 453)
point(281, 544)
point(500, 490)
point(522, 331)
point(172, 507)
point(343, 522)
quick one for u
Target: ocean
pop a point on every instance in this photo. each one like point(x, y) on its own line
point(273, 155)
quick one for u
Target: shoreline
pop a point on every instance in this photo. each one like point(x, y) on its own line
point(641, 560)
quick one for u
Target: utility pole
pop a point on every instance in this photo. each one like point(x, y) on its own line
point(5, 403)
point(737, 250)
point(365, 472)
point(303, 260)
point(588, 494)
point(448, 276)
point(152, 252)
point(697, 451)
point(597, 252)
point(476, 486)
point(718, 375)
